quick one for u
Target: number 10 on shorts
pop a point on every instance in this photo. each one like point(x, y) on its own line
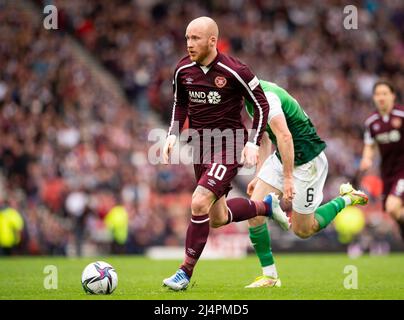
point(217, 171)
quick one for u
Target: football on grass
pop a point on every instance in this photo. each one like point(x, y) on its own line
point(99, 278)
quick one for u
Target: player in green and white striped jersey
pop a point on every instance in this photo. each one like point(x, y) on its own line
point(297, 172)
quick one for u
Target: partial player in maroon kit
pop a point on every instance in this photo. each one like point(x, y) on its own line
point(209, 89)
point(385, 130)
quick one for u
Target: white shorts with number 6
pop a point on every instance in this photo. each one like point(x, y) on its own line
point(308, 179)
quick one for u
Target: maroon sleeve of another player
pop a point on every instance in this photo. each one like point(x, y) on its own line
point(253, 92)
point(368, 137)
point(180, 106)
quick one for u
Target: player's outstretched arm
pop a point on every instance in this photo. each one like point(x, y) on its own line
point(180, 106)
point(264, 150)
point(369, 151)
point(252, 91)
point(249, 155)
point(178, 116)
point(263, 153)
point(286, 149)
point(368, 155)
point(255, 94)
point(168, 146)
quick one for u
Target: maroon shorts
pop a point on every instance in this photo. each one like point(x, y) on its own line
point(393, 186)
point(216, 177)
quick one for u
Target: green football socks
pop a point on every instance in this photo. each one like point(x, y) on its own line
point(261, 241)
point(327, 212)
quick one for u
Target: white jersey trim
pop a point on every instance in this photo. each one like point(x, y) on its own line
point(251, 94)
point(230, 214)
point(371, 119)
point(275, 105)
point(205, 69)
point(175, 94)
point(254, 83)
point(201, 221)
point(368, 140)
point(398, 113)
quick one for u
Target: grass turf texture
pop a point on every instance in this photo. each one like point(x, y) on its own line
point(304, 276)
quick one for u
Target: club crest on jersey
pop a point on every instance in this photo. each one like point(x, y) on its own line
point(396, 122)
point(220, 82)
point(376, 127)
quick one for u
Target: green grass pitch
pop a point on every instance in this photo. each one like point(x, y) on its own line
point(304, 276)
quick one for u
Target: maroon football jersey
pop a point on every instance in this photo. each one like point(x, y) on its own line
point(388, 133)
point(212, 96)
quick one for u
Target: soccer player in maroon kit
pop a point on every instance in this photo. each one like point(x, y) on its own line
point(385, 129)
point(210, 88)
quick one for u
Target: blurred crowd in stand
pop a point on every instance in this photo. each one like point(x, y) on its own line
point(71, 149)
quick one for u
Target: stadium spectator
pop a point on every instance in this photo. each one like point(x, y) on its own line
point(117, 222)
point(60, 141)
point(11, 226)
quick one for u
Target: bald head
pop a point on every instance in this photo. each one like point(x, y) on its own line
point(202, 34)
point(206, 25)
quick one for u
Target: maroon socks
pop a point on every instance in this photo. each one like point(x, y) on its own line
point(241, 209)
point(197, 235)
